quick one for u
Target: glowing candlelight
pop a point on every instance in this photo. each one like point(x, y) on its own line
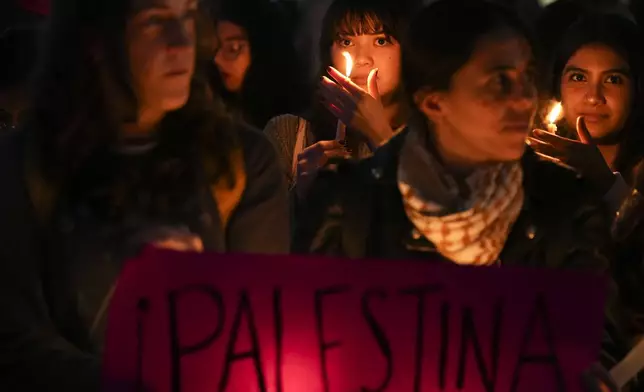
point(349, 63)
point(553, 116)
point(341, 129)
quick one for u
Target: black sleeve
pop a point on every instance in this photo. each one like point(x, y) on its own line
point(261, 222)
point(319, 219)
point(594, 251)
point(34, 356)
point(34, 353)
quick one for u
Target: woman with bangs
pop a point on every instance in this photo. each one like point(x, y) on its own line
point(370, 32)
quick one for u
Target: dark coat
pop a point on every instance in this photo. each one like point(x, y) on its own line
point(628, 232)
point(357, 212)
point(43, 344)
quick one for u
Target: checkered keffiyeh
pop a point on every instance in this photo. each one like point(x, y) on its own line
point(476, 233)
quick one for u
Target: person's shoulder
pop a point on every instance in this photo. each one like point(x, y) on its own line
point(283, 126)
point(252, 140)
point(257, 150)
point(284, 119)
point(283, 132)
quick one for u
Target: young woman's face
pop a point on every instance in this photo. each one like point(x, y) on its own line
point(488, 110)
point(596, 84)
point(161, 48)
point(233, 55)
point(370, 51)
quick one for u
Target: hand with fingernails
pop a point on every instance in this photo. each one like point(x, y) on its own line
point(358, 109)
point(313, 158)
point(581, 155)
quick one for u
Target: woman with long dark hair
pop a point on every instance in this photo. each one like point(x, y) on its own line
point(122, 147)
point(256, 68)
point(598, 77)
point(370, 32)
point(458, 185)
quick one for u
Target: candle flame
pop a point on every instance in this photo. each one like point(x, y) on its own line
point(555, 112)
point(349, 63)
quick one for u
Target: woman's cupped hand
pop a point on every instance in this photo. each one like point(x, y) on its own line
point(359, 109)
point(581, 155)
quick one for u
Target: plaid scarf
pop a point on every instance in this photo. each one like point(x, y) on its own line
point(467, 230)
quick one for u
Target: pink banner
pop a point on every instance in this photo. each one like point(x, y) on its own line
point(197, 323)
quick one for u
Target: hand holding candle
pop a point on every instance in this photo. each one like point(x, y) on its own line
point(581, 156)
point(359, 108)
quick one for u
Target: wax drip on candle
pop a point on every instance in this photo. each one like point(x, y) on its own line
point(349, 63)
point(553, 116)
point(341, 129)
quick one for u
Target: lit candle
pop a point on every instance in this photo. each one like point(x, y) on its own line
point(341, 129)
point(553, 116)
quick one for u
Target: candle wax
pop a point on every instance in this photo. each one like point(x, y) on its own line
point(552, 128)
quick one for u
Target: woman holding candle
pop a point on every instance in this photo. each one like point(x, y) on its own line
point(369, 32)
point(121, 147)
point(598, 78)
point(458, 186)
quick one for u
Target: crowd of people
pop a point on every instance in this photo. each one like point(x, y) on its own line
point(194, 126)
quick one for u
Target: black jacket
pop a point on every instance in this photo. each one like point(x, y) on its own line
point(44, 346)
point(628, 232)
point(357, 212)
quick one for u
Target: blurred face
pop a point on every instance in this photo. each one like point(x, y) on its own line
point(369, 51)
point(233, 55)
point(596, 84)
point(161, 38)
point(488, 111)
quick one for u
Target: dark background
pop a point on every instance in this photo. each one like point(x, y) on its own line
point(27, 13)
